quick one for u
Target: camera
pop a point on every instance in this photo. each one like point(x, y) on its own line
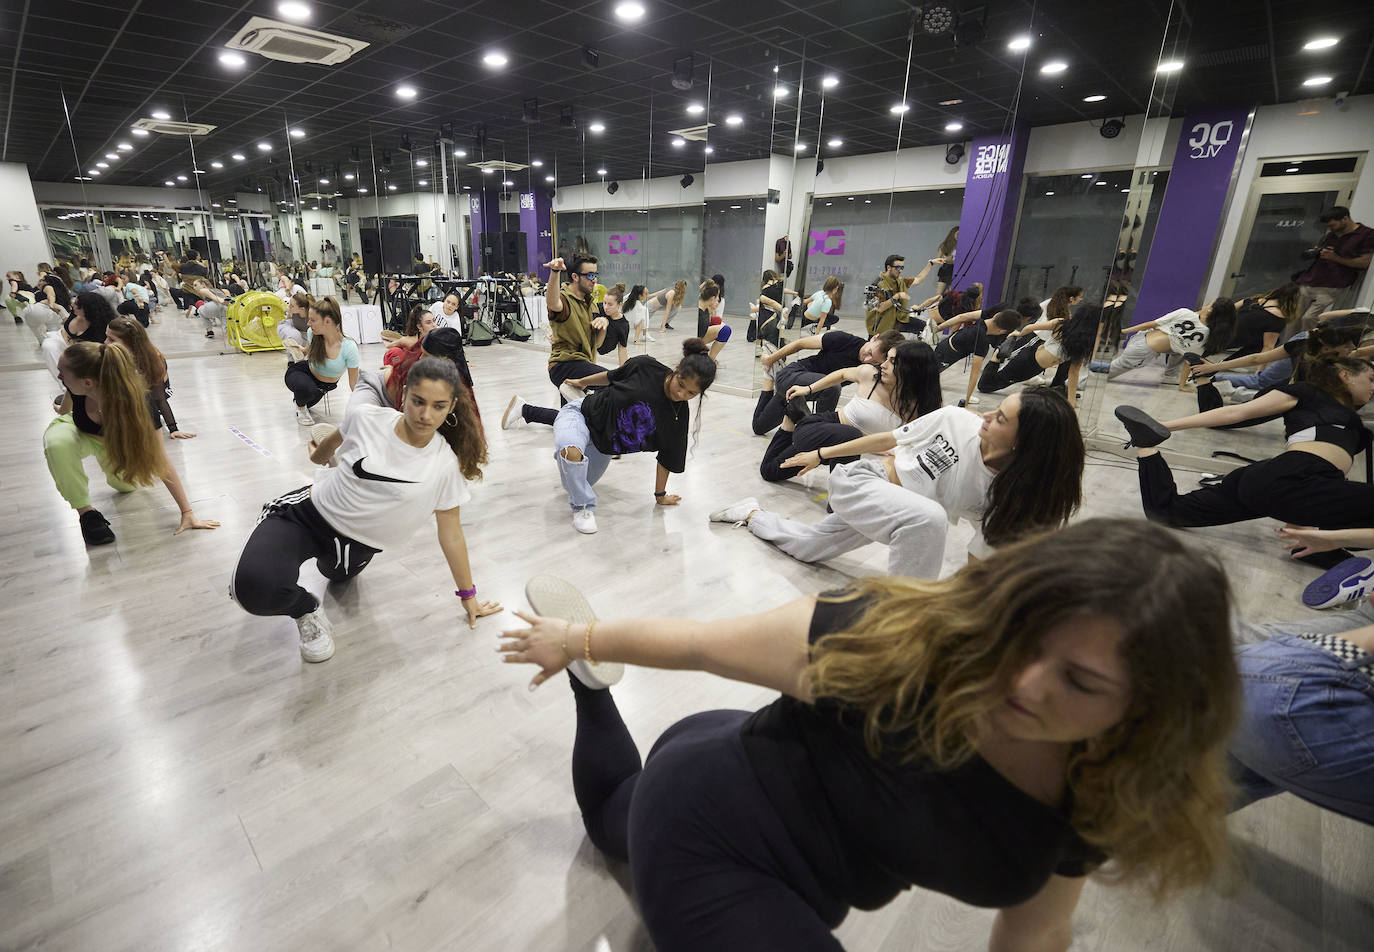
point(1310, 254)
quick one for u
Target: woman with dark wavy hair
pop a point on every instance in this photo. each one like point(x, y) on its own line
point(1015, 470)
point(995, 736)
point(1066, 341)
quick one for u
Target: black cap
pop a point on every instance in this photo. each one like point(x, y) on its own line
point(444, 342)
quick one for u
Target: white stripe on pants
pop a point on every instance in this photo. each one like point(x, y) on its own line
point(868, 507)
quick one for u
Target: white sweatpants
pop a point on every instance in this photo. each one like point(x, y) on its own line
point(868, 507)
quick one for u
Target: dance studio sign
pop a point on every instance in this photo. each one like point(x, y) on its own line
point(992, 192)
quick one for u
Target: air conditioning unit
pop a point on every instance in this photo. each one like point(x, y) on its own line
point(498, 165)
point(293, 44)
point(694, 133)
point(170, 127)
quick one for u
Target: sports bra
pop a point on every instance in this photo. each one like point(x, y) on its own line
point(81, 418)
point(1320, 418)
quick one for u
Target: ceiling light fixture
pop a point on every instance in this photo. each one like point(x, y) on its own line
point(362, 190)
point(734, 119)
point(597, 127)
point(506, 184)
point(406, 92)
point(708, 150)
point(294, 10)
point(1054, 67)
point(1317, 81)
point(830, 82)
point(495, 59)
point(459, 154)
point(264, 147)
point(1292, 168)
point(600, 171)
point(232, 59)
point(630, 11)
point(237, 156)
point(162, 114)
point(537, 163)
point(548, 178)
point(954, 127)
point(678, 143)
point(170, 183)
point(111, 155)
point(298, 133)
point(1049, 193)
point(181, 178)
point(123, 147)
point(422, 182)
point(1096, 97)
point(1169, 66)
point(950, 102)
point(835, 143)
point(391, 188)
point(217, 164)
point(102, 165)
point(422, 162)
point(800, 147)
point(1321, 43)
point(139, 132)
point(937, 18)
point(695, 108)
point(349, 176)
point(1099, 183)
point(898, 109)
point(1086, 175)
point(1019, 43)
point(325, 181)
point(780, 92)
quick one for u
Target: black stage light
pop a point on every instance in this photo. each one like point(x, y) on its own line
point(820, 166)
point(970, 30)
point(687, 179)
point(613, 187)
point(590, 57)
point(529, 111)
point(954, 152)
point(405, 142)
point(937, 19)
point(682, 72)
point(566, 117)
point(1111, 128)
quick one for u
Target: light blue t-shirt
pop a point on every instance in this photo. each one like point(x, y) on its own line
point(334, 367)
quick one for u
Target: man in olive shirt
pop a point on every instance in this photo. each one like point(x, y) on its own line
point(576, 332)
point(892, 310)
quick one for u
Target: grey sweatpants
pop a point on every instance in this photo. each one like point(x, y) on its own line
point(867, 507)
point(1137, 353)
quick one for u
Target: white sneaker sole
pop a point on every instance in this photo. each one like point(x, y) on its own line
point(554, 597)
point(506, 417)
point(1349, 581)
point(313, 652)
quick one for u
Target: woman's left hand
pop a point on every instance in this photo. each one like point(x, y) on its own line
point(540, 644)
point(478, 609)
point(189, 521)
point(797, 390)
point(1302, 541)
point(667, 500)
point(806, 461)
point(182, 435)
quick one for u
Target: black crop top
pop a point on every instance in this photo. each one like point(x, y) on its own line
point(1322, 418)
point(82, 420)
point(871, 828)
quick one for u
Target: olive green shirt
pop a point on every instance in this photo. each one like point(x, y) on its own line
point(879, 322)
point(572, 335)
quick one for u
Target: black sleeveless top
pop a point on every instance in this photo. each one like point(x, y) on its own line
point(1322, 418)
point(81, 418)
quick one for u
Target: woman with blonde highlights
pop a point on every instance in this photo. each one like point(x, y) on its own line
point(996, 736)
point(152, 367)
point(104, 414)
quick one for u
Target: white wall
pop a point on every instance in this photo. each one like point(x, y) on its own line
point(329, 231)
point(1075, 146)
point(1309, 128)
point(886, 171)
point(125, 196)
point(23, 239)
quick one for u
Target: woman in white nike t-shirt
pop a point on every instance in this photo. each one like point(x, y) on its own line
point(1013, 471)
point(391, 474)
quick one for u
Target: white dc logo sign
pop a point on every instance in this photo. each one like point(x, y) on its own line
point(1209, 138)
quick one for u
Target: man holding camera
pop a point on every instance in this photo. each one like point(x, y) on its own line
point(1337, 261)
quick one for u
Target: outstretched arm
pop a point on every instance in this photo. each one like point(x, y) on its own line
point(173, 483)
point(769, 649)
point(1147, 326)
point(873, 443)
point(812, 342)
point(959, 319)
point(1273, 403)
point(833, 379)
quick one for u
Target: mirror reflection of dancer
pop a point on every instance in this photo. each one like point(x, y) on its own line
point(1015, 470)
point(104, 413)
point(1182, 333)
point(328, 355)
point(669, 299)
point(617, 324)
point(975, 332)
point(1066, 341)
point(128, 333)
point(945, 255)
point(393, 474)
point(709, 324)
point(995, 736)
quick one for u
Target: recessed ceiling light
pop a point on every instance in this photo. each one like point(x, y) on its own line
point(298, 133)
point(294, 10)
point(1292, 168)
point(217, 164)
point(596, 127)
point(169, 182)
point(954, 126)
point(835, 143)
point(391, 188)
point(1096, 97)
point(1049, 193)
point(1019, 43)
point(950, 102)
point(237, 156)
point(406, 92)
point(162, 114)
point(110, 155)
point(1169, 66)
point(1321, 43)
point(800, 146)
point(1317, 81)
point(229, 58)
point(422, 162)
point(216, 205)
point(780, 92)
point(459, 154)
point(736, 206)
point(1054, 67)
point(506, 184)
point(708, 150)
point(264, 147)
point(324, 181)
point(548, 178)
point(1125, 189)
point(495, 59)
point(181, 178)
point(695, 108)
point(830, 82)
point(679, 143)
point(537, 163)
point(102, 165)
point(349, 176)
point(138, 132)
point(629, 11)
point(488, 171)
point(898, 109)
point(734, 119)
point(422, 182)
point(123, 147)
point(1099, 183)
point(362, 189)
point(600, 171)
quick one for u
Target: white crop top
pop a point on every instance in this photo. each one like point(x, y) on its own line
point(870, 416)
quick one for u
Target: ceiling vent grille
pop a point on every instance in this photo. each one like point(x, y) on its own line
point(293, 44)
point(168, 127)
point(498, 165)
point(694, 133)
point(1233, 57)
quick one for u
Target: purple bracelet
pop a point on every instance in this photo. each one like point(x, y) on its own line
point(466, 592)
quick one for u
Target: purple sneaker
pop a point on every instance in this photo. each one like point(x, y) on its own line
point(1349, 581)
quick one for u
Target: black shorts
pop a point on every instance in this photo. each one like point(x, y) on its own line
point(617, 335)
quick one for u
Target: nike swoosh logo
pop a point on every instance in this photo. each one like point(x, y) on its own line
point(364, 474)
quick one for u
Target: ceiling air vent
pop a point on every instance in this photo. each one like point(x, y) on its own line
point(293, 44)
point(695, 133)
point(168, 127)
point(498, 165)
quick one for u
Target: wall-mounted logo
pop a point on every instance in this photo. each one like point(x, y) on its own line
point(988, 160)
point(1206, 139)
point(820, 242)
point(620, 245)
point(527, 200)
point(476, 205)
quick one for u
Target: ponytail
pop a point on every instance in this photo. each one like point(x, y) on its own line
point(135, 453)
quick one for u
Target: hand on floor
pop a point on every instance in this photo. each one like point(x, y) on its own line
point(476, 610)
point(189, 521)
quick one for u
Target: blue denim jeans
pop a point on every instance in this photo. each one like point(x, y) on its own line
point(570, 429)
point(1276, 373)
point(1308, 721)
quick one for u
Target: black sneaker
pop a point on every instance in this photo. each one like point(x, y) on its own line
point(1144, 430)
point(18, 319)
point(796, 409)
point(95, 529)
point(209, 334)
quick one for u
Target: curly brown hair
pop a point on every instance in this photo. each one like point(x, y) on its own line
point(462, 430)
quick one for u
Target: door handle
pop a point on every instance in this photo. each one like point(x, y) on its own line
point(1237, 274)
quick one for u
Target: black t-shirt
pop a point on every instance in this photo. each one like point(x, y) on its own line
point(23, 286)
point(1320, 416)
point(634, 415)
point(872, 827)
point(194, 268)
point(704, 321)
point(839, 349)
point(94, 332)
point(1252, 323)
point(59, 290)
point(977, 336)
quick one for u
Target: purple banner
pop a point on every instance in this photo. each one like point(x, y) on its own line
point(1189, 219)
point(477, 206)
point(992, 192)
point(534, 222)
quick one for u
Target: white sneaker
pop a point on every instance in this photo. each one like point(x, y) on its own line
point(651, 339)
point(584, 521)
point(974, 400)
point(553, 597)
point(571, 393)
point(513, 418)
point(738, 514)
point(317, 636)
point(321, 432)
point(303, 416)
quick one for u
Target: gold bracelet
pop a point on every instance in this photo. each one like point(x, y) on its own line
point(587, 642)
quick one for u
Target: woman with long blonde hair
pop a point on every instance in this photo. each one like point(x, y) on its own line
point(669, 299)
point(996, 736)
point(104, 414)
point(152, 367)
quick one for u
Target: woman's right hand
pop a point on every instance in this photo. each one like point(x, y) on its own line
point(540, 644)
point(797, 390)
point(805, 462)
point(1302, 541)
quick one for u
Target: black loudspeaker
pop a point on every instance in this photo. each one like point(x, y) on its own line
point(200, 244)
point(256, 251)
point(398, 250)
point(514, 253)
point(372, 250)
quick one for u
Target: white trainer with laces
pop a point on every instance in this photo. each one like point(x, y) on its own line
point(737, 514)
point(513, 418)
point(317, 636)
point(584, 521)
point(303, 416)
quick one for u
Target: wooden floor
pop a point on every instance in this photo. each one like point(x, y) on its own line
point(172, 776)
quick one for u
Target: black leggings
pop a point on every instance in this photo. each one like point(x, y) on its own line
point(812, 433)
point(946, 354)
point(1019, 367)
point(712, 864)
point(1293, 487)
point(138, 311)
point(769, 410)
point(307, 389)
point(290, 532)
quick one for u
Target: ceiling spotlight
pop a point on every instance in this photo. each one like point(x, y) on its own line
point(294, 10)
point(596, 127)
point(92, 171)
point(391, 188)
point(139, 132)
point(800, 147)
point(954, 127)
point(488, 171)
point(537, 163)
point(1019, 43)
point(406, 92)
point(1086, 175)
point(630, 11)
point(507, 183)
point(1099, 183)
point(459, 154)
point(216, 205)
point(1321, 43)
point(950, 102)
point(197, 171)
point(1096, 97)
point(325, 181)
point(779, 92)
point(422, 182)
point(600, 171)
point(1111, 128)
point(362, 190)
point(695, 108)
point(548, 178)
point(181, 178)
point(1054, 67)
point(678, 142)
point(613, 187)
point(937, 19)
point(232, 59)
point(237, 157)
point(898, 109)
point(123, 147)
point(835, 143)
point(102, 165)
point(111, 155)
point(349, 176)
point(217, 164)
point(830, 82)
point(686, 180)
point(264, 147)
point(1292, 168)
point(162, 114)
point(1317, 81)
point(169, 182)
point(298, 133)
point(1049, 193)
point(1169, 66)
point(708, 150)
point(734, 119)
point(954, 152)
point(422, 162)
point(495, 59)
